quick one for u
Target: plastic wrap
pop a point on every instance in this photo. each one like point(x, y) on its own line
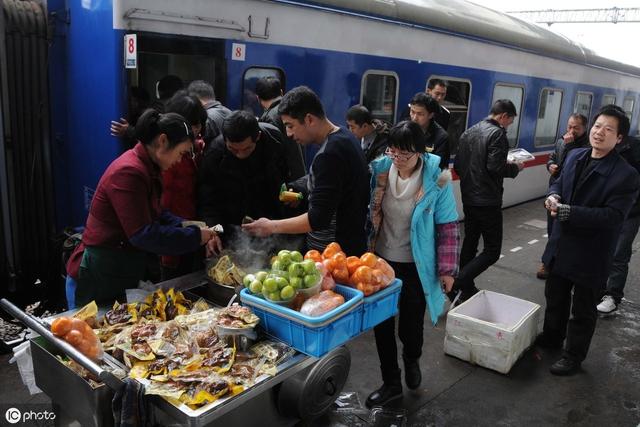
point(319, 304)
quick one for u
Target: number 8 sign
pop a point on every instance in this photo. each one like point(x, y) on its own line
point(238, 51)
point(130, 51)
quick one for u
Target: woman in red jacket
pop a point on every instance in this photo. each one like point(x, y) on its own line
point(126, 221)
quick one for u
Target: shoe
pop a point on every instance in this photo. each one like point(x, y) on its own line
point(412, 374)
point(542, 273)
point(545, 341)
point(385, 394)
point(608, 305)
point(565, 367)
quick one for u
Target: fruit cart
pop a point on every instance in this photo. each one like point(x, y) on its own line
point(302, 388)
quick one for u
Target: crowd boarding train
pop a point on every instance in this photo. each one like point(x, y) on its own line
point(376, 52)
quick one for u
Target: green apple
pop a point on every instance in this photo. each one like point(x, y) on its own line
point(274, 296)
point(310, 280)
point(296, 282)
point(296, 270)
point(261, 275)
point(255, 287)
point(309, 266)
point(284, 258)
point(246, 280)
point(287, 292)
point(270, 284)
point(284, 252)
point(277, 265)
point(282, 282)
point(296, 256)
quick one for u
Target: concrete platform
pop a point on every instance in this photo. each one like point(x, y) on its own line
point(456, 393)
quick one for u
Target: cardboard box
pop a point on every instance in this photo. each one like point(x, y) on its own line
point(491, 330)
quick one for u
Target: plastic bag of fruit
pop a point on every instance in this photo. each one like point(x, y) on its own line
point(327, 279)
point(79, 334)
point(322, 303)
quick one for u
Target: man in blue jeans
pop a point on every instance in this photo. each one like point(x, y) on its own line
point(482, 165)
point(629, 149)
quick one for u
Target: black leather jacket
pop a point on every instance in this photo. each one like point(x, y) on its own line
point(482, 165)
point(437, 142)
point(629, 149)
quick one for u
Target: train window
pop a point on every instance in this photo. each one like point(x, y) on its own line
point(379, 93)
point(582, 104)
point(516, 95)
point(251, 76)
point(548, 117)
point(627, 106)
point(608, 99)
point(457, 102)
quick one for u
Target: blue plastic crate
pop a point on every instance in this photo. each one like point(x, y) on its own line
point(314, 336)
point(380, 306)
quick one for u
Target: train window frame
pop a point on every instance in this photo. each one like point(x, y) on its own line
point(524, 93)
point(453, 143)
point(535, 136)
point(385, 73)
point(283, 84)
point(608, 95)
point(633, 106)
point(575, 102)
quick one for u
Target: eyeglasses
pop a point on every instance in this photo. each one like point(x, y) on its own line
point(400, 156)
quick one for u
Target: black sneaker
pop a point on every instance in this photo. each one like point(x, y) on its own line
point(565, 366)
point(412, 374)
point(385, 394)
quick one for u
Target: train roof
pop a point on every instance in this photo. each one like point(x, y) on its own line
point(470, 19)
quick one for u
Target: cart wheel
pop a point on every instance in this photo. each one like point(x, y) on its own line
point(311, 392)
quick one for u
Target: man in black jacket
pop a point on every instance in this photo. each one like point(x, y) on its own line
point(269, 94)
point(216, 112)
point(576, 137)
point(422, 110)
point(338, 179)
point(372, 133)
point(482, 165)
point(629, 149)
point(241, 173)
point(437, 89)
point(590, 200)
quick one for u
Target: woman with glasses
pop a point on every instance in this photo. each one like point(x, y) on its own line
point(126, 221)
point(414, 226)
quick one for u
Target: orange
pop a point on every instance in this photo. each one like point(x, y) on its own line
point(61, 326)
point(331, 249)
point(369, 259)
point(314, 255)
point(353, 262)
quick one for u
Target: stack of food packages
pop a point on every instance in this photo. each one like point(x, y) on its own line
point(177, 348)
point(367, 273)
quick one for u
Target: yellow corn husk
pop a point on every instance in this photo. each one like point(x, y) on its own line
point(139, 370)
point(89, 310)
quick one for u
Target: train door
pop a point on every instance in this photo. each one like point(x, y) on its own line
point(186, 57)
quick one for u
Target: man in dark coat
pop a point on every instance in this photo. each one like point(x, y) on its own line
point(576, 137)
point(482, 165)
point(269, 94)
point(590, 200)
point(216, 112)
point(372, 133)
point(422, 110)
point(241, 173)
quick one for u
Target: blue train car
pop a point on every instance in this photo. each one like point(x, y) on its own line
point(349, 52)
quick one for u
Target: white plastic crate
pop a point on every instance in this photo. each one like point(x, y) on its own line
point(491, 330)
